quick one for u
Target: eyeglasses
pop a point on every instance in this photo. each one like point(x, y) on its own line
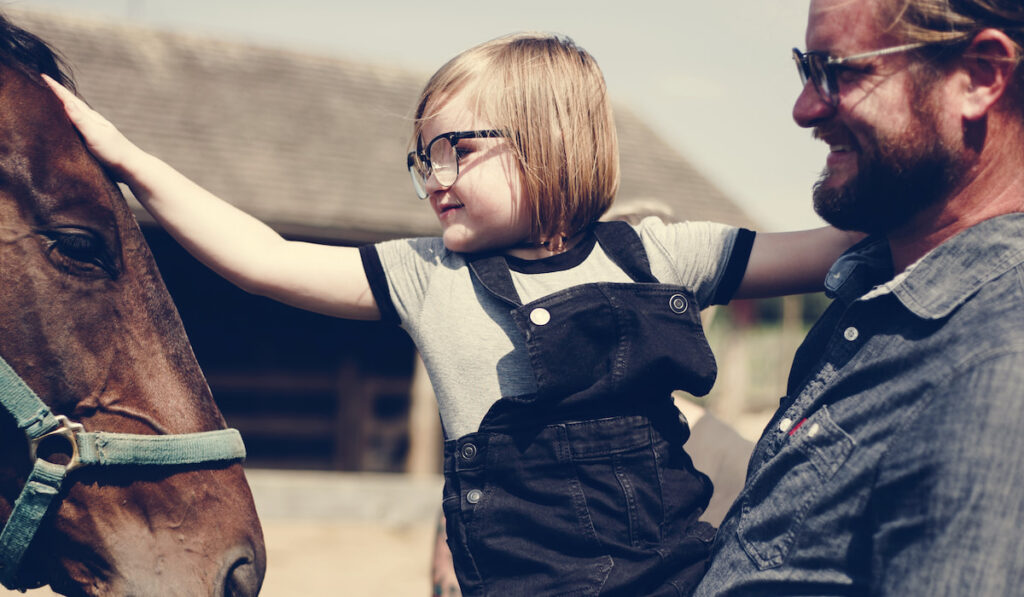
point(821, 68)
point(441, 158)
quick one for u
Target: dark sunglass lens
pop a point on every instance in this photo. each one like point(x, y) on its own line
point(818, 72)
point(801, 65)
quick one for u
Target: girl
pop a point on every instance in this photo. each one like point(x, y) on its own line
point(552, 341)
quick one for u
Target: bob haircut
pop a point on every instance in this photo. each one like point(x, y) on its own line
point(548, 96)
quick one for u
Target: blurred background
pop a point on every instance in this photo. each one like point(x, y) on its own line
point(299, 113)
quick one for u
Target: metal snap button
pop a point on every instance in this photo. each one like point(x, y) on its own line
point(540, 316)
point(677, 303)
point(474, 496)
point(851, 333)
point(469, 451)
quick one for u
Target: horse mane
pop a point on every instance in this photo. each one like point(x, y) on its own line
point(26, 52)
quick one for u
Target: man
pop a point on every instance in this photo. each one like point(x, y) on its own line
point(895, 464)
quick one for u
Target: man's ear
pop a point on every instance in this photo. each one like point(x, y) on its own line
point(988, 62)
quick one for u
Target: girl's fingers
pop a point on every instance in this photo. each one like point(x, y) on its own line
point(77, 110)
point(70, 100)
point(101, 137)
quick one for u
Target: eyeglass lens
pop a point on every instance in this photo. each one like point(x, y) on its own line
point(442, 162)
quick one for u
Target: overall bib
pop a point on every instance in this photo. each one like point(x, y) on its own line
point(583, 488)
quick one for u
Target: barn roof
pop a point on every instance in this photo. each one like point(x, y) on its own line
point(313, 145)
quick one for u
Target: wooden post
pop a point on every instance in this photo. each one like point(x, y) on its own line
point(353, 419)
point(425, 439)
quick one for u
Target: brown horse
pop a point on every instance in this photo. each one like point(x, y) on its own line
point(87, 324)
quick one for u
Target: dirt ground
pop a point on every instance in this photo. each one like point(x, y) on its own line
point(346, 534)
point(342, 534)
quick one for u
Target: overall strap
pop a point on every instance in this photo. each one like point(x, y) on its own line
point(492, 272)
point(619, 240)
point(622, 244)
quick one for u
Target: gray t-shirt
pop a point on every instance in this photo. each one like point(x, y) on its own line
point(473, 352)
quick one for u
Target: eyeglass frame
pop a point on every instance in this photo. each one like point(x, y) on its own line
point(829, 62)
point(421, 156)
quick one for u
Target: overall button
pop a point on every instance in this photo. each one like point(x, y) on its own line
point(474, 496)
point(469, 451)
point(851, 333)
point(540, 316)
point(677, 303)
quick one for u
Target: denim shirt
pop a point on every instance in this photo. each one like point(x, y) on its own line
point(895, 464)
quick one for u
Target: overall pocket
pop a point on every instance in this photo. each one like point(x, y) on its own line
point(779, 496)
point(617, 469)
point(526, 528)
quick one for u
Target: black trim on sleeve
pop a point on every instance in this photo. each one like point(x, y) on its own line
point(378, 283)
point(736, 267)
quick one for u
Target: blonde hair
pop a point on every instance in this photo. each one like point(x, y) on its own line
point(548, 96)
point(939, 21)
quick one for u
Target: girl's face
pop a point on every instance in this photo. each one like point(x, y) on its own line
point(484, 209)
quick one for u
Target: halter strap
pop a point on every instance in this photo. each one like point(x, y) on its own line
point(44, 483)
point(32, 416)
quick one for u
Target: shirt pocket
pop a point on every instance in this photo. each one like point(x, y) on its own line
point(780, 494)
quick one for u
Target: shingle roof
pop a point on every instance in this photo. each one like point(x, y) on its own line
point(313, 145)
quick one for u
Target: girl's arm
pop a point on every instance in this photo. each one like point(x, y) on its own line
point(793, 262)
point(247, 252)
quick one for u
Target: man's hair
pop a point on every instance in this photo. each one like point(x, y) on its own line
point(548, 95)
point(956, 21)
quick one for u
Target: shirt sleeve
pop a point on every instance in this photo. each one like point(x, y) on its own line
point(706, 257)
point(399, 273)
point(378, 283)
point(948, 508)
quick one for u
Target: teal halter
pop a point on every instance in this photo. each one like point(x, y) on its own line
point(87, 449)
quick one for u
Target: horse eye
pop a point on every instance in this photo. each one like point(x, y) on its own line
point(80, 251)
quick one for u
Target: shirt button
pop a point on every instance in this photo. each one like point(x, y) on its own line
point(785, 424)
point(474, 496)
point(540, 316)
point(469, 451)
point(851, 333)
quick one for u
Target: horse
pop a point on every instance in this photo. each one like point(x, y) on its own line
point(96, 371)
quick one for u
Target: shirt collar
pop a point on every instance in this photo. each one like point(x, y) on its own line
point(940, 281)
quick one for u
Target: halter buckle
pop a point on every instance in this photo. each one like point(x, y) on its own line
point(66, 430)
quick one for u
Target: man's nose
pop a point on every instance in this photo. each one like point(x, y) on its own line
point(810, 108)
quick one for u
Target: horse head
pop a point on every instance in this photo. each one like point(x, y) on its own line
point(88, 326)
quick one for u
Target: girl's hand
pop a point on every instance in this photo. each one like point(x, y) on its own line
point(442, 569)
point(102, 138)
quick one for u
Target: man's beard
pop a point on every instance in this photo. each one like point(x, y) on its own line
point(895, 181)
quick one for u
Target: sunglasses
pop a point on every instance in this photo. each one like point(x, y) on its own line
point(820, 68)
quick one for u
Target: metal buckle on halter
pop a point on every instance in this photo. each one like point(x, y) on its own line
point(66, 430)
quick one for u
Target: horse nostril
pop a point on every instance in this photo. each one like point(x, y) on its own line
point(243, 579)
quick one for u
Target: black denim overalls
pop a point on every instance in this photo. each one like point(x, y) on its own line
point(584, 488)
